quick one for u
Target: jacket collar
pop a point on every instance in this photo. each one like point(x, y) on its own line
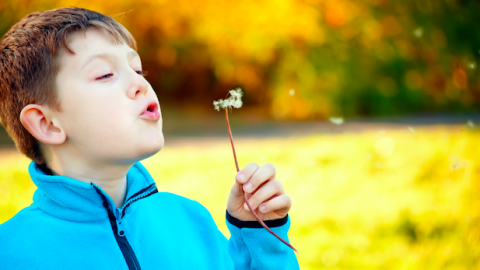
point(74, 200)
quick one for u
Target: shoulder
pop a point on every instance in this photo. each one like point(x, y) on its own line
point(18, 232)
point(25, 218)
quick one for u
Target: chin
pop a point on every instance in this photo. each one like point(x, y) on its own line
point(152, 148)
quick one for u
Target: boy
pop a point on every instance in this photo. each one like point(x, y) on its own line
point(73, 98)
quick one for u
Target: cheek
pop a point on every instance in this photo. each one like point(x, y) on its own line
point(96, 119)
point(109, 119)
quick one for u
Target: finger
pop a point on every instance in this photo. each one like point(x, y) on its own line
point(264, 173)
point(244, 174)
point(266, 192)
point(280, 204)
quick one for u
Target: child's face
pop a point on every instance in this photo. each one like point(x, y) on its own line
point(104, 98)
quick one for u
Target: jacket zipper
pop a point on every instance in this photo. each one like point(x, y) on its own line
point(130, 200)
point(119, 234)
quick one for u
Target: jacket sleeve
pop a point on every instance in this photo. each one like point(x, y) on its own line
point(252, 247)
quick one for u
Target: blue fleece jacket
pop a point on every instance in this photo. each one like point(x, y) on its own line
point(75, 225)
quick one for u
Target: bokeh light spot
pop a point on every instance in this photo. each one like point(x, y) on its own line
point(335, 15)
point(385, 146)
point(470, 124)
point(337, 120)
point(418, 32)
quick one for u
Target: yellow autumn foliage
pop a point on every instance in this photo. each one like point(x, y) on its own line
point(342, 57)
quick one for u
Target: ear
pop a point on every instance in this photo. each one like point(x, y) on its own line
point(37, 120)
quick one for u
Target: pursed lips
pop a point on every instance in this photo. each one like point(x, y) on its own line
point(150, 112)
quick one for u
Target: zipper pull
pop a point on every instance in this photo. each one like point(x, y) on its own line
point(120, 229)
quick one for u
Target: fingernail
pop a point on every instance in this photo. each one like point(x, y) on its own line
point(241, 177)
point(263, 208)
point(248, 186)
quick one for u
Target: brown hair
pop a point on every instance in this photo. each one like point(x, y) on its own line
point(29, 64)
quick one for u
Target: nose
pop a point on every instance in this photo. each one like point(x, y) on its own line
point(137, 85)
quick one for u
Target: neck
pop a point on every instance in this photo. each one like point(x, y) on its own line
point(110, 176)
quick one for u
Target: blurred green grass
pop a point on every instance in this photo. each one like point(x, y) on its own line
point(384, 199)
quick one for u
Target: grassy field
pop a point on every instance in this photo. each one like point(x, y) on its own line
point(384, 199)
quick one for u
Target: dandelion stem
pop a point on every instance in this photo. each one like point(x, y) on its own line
point(244, 194)
point(231, 139)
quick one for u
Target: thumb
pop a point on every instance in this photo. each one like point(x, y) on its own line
point(236, 190)
point(235, 199)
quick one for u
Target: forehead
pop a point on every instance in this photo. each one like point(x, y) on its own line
point(85, 44)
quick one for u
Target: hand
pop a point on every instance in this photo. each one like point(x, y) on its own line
point(264, 192)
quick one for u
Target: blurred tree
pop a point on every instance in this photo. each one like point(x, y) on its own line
point(303, 59)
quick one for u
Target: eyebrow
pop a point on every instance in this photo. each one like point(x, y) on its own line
point(107, 57)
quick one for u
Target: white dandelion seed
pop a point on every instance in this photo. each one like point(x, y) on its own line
point(337, 120)
point(234, 100)
point(470, 124)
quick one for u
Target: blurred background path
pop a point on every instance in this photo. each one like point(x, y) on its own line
point(183, 127)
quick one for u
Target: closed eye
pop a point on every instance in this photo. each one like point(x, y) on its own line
point(106, 76)
point(141, 72)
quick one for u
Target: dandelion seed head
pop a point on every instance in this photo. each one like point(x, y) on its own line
point(217, 104)
point(236, 93)
point(234, 100)
point(237, 104)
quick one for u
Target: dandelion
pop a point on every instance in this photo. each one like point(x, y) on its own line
point(235, 101)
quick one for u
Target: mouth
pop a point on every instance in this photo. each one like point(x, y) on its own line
point(151, 112)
